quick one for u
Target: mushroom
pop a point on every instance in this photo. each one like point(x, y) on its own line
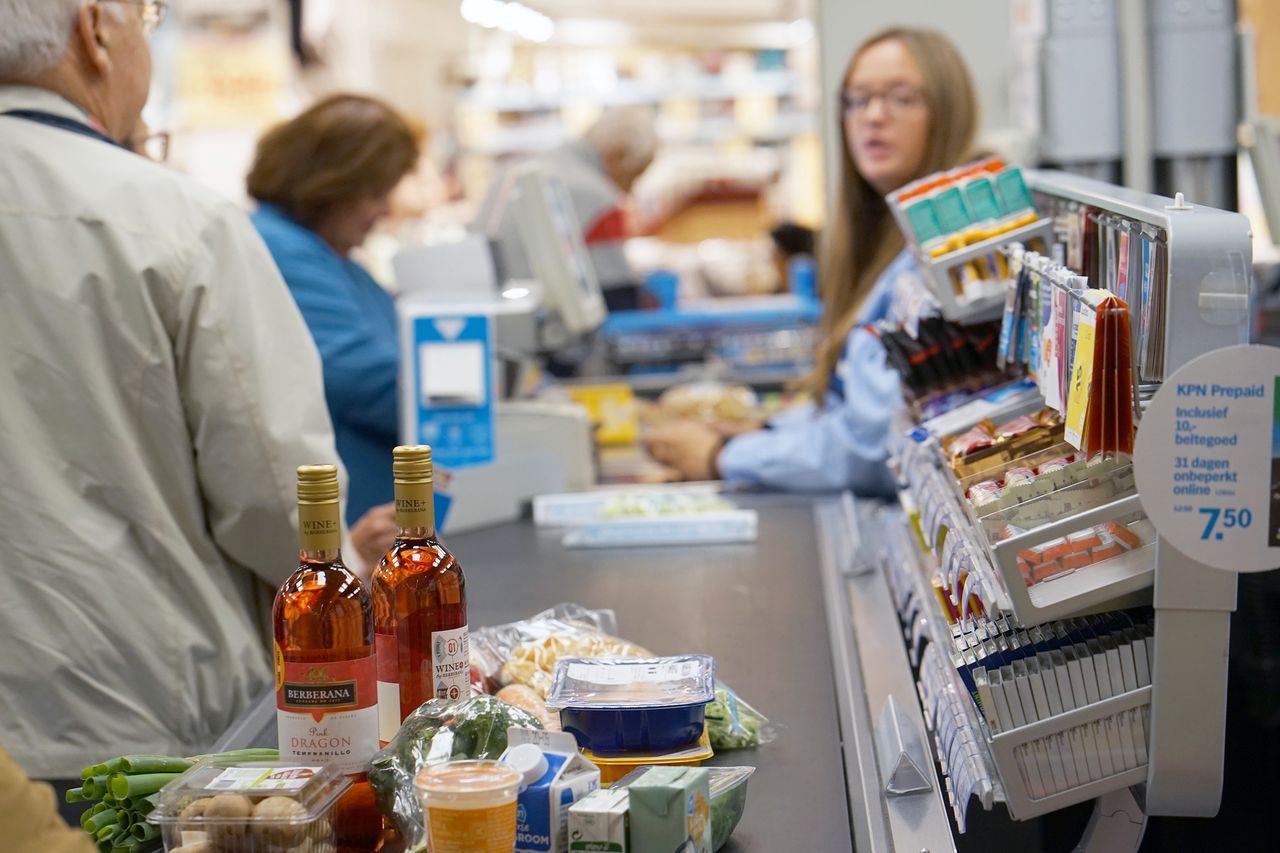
point(227, 819)
point(279, 821)
point(199, 847)
point(188, 818)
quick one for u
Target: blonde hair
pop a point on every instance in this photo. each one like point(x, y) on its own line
point(861, 238)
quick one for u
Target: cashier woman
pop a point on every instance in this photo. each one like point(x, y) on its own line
point(907, 109)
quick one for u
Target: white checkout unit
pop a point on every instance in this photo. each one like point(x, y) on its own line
point(468, 343)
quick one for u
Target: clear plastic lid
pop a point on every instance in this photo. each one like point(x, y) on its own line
point(314, 788)
point(721, 779)
point(621, 683)
point(727, 778)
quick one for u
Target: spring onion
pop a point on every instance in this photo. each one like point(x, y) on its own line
point(95, 787)
point(96, 808)
point(145, 831)
point(251, 754)
point(123, 785)
point(136, 765)
point(122, 792)
point(100, 820)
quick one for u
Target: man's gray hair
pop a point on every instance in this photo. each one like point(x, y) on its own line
point(630, 130)
point(34, 35)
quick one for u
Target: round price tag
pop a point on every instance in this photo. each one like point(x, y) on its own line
point(1207, 459)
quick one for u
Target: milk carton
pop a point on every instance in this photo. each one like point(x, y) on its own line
point(599, 823)
point(671, 811)
point(555, 777)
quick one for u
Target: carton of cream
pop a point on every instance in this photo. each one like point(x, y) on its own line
point(555, 777)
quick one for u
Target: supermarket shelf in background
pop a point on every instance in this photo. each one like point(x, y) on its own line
point(514, 99)
point(545, 136)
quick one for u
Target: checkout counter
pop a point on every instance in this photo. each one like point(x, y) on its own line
point(800, 623)
point(752, 606)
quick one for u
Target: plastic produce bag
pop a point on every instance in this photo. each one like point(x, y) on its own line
point(526, 652)
point(728, 801)
point(491, 646)
point(712, 402)
point(733, 724)
point(441, 730)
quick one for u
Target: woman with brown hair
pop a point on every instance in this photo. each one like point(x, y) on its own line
point(907, 110)
point(322, 180)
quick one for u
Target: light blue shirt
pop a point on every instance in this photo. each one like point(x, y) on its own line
point(841, 445)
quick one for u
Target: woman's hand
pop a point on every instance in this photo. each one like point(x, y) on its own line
point(688, 447)
point(373, 534)
point(733, 429)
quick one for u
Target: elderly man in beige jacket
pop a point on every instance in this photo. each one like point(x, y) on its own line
point(158, 389)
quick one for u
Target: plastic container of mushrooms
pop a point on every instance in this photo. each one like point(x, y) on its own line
point(250, 807)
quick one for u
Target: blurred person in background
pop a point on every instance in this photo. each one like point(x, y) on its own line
point(159, 389)
point(791, 242)
point(598, 172)
point(907, 109)
point(322, 180)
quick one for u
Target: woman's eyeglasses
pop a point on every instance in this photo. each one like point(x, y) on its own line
point(897, 100)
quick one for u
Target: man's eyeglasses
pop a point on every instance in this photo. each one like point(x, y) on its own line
point(898, 100)
point(153, 12)
point(153, 146)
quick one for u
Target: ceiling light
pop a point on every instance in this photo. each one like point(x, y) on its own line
point(510, 17)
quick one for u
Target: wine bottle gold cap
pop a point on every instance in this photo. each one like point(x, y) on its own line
point(317, 483)
point(412, 463)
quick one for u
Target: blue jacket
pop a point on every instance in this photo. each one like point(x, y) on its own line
point(353, 322)
point(842, 444)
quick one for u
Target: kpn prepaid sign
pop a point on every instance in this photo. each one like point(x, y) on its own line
point(1208, 459)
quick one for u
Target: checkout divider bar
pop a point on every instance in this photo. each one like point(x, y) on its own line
point(870, 665)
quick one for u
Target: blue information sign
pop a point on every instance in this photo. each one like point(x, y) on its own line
point(452, 378)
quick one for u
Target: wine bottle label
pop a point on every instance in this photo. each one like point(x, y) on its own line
point(388, 649)
point(319, 527)
point(328, 713)
point(451, 663)
point(415, 505)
